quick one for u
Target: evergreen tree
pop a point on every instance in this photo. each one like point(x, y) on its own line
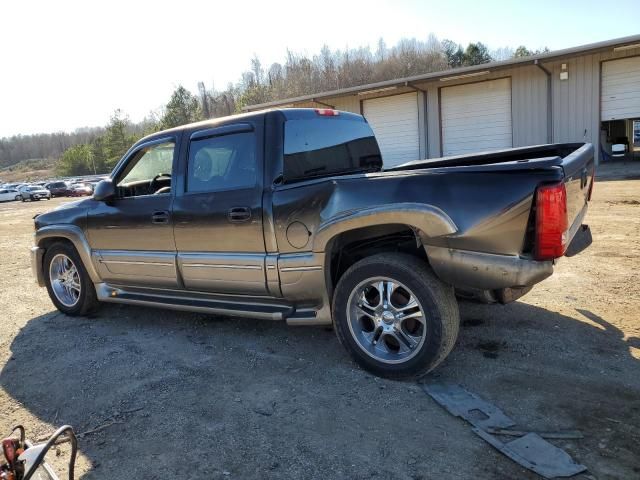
point(117, 138)
point(476, 54)
point(77, 160)
point(182, 108)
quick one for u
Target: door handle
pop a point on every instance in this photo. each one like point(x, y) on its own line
point(160, 217)
point(239, 214)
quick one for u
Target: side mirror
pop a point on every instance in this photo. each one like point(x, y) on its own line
point(105, 190)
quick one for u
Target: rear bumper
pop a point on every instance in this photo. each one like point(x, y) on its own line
point(486, 271)
point(37, 254)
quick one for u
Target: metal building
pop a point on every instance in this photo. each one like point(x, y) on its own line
point(589, 93)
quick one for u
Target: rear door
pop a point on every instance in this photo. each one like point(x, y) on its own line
point(218, 211)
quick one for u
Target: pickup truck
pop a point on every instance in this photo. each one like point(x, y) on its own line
point(289, 215)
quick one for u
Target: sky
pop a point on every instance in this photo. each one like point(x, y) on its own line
point(66, 64)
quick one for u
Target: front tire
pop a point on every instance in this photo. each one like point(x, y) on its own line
point(68, 283)
point(18, 197)
point(394, 316)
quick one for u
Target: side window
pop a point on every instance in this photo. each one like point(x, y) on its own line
point(323, 146)
point(148, 171)
point(222, 163)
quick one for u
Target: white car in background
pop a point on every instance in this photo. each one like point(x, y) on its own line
point(34, 192)
point(9, 194)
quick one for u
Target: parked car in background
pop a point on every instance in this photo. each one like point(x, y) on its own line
point(9, 194)
point(80, 190)
point(58, 189)
point(34, 192)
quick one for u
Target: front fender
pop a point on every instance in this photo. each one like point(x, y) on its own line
point(76, 236)
point(429, 220)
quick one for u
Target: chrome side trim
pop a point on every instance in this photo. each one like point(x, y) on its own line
point(133, 267)
point(131, 262)
point(205, 265)
point(226, 273)
point(301, 269)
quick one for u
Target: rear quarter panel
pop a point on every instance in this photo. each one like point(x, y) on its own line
point(579, 170)
point(489, 209)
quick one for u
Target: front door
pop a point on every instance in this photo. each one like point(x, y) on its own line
point(218, 212)
point(131, 236)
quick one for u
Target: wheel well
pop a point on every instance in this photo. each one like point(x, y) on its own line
point(47, 242)
point(349, 247)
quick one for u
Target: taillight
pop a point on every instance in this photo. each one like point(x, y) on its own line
point(327, 112)
point(551, 221)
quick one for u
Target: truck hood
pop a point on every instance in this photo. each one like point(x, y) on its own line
point(67, 213)
point(72, 204)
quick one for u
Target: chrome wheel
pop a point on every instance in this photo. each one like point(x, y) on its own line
point(386, 320)
point(65, 280)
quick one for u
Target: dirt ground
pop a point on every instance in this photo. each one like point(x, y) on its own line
point(179, 395)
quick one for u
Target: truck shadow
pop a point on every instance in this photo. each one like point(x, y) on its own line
point(223, 396)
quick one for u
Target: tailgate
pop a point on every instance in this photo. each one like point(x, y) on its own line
point(579, 170)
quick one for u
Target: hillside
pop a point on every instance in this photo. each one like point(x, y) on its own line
point(28, 170)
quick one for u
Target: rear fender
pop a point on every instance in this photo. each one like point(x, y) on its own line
point(430, 221)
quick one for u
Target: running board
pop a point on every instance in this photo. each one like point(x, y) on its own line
point(195, 302)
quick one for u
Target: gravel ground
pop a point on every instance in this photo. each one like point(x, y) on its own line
point(179, 395)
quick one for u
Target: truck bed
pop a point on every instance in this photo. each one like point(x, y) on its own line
point(522, 158)
point(575, 160)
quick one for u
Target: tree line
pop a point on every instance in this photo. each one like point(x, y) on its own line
point(97, 150)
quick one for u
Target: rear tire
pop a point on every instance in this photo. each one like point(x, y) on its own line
point(18, 197)
point(63, 276)
point(394, 316)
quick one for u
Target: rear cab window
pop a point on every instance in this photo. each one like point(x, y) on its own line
point(319, 145)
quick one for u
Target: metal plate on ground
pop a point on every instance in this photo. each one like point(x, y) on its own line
point(462, 403)
point(530, 450)
point(535, 453)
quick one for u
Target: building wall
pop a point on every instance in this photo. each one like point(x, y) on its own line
point(352, 103)
point(528, 106)
point(576, 101)
point(347, 104)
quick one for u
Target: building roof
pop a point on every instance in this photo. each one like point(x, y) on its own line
point(406, 81)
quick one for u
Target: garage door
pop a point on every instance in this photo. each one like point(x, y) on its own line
point(395, 122)
point(621, 89)
point(476, 117)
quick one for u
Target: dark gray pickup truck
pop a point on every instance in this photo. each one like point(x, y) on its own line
point(289, 215)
